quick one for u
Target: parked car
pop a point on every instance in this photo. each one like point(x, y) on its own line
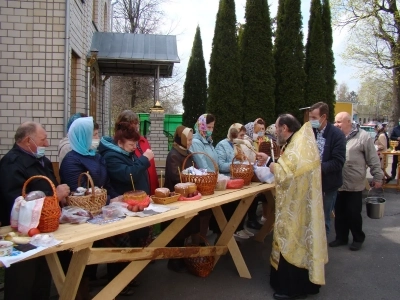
point(370, 130)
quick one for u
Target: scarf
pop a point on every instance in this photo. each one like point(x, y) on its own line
point(181, 135)
point(80, 136)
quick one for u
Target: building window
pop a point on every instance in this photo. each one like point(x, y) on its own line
point(74, 82)
point(105, 19)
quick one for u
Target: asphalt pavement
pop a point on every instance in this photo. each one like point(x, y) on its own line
point(371, 273)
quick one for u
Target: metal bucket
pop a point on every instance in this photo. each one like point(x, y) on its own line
point(375, 206)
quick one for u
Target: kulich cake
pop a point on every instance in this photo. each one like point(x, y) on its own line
point(182, 189)
point(161, 192)
point(192, 187)
point(137, 195)
point(137, 198)
point(186, 188)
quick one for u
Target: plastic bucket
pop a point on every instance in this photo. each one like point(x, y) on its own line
point(375, 207)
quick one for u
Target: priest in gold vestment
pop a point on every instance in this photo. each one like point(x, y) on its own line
point(299, 250)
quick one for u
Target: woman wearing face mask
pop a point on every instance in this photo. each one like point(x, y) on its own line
point(202, 142)
point(255, 132)
point(83, 159)
point(79, 160)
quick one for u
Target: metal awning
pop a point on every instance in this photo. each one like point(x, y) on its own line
point(128, 54)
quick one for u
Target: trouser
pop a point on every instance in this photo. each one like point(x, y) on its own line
point(329, 199)
point(394, 165)
point(28, 280)
point(348, 209)
point(291, 281)
point(252, 212)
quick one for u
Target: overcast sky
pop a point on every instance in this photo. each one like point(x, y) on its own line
point(187, 14)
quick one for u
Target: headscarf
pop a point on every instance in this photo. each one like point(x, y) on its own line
point(73, 118)
point(80, 136)
point(181, 135)
point(271, 132)
point(201, 124)
point(249, 129)
point(237, 126)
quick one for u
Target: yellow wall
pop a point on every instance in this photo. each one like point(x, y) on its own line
point(344, 106)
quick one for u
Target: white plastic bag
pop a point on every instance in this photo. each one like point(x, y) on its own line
point(25, 215)
point(264, 174)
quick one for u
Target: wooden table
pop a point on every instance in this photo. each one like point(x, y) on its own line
point(385, 163)
point(80, 238)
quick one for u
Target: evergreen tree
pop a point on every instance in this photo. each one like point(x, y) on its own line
point(330, 98)
point(315, 90)
point(195, 87)
point(289, 59)
point(258, 63)
point(225, 81)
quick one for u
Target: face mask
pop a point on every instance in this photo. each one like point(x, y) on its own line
point(315, 124)
point(208, 133)
point(40, 151)
point(261, 133)
point(95, 144)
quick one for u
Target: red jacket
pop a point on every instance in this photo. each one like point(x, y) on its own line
point(142, 146)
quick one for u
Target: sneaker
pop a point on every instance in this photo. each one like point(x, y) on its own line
point(249, 233)
point(241, 234)
point(262, 220)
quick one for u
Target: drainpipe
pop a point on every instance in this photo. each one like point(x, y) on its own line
point(102, 102)
point(109, 96)
point(66, 65)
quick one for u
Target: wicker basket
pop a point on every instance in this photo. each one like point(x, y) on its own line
point(166, 200)
point(92, 202)
point(205, 183)
point(51, 211)
point(242, 171)
point(265, 147)
point(202, 265)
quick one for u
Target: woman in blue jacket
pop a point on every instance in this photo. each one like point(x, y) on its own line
point(83, 159)
point(79, 160)
point(122, 163)
point(202, 142)
point(226, 151)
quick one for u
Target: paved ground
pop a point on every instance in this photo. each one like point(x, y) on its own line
point(371, 273)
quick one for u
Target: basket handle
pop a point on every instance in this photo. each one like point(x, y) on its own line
point(233, 159)
point(203, 239)
point(90, 181)
point(40, 177)
point(190, 154)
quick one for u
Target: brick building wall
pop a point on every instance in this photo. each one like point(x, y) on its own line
point(32, 65)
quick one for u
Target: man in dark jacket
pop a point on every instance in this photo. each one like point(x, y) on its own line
point(29, 279)
point(395, 136)
point(332, 149)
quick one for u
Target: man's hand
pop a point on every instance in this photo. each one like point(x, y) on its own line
point(377, 184)
point(62, 191)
